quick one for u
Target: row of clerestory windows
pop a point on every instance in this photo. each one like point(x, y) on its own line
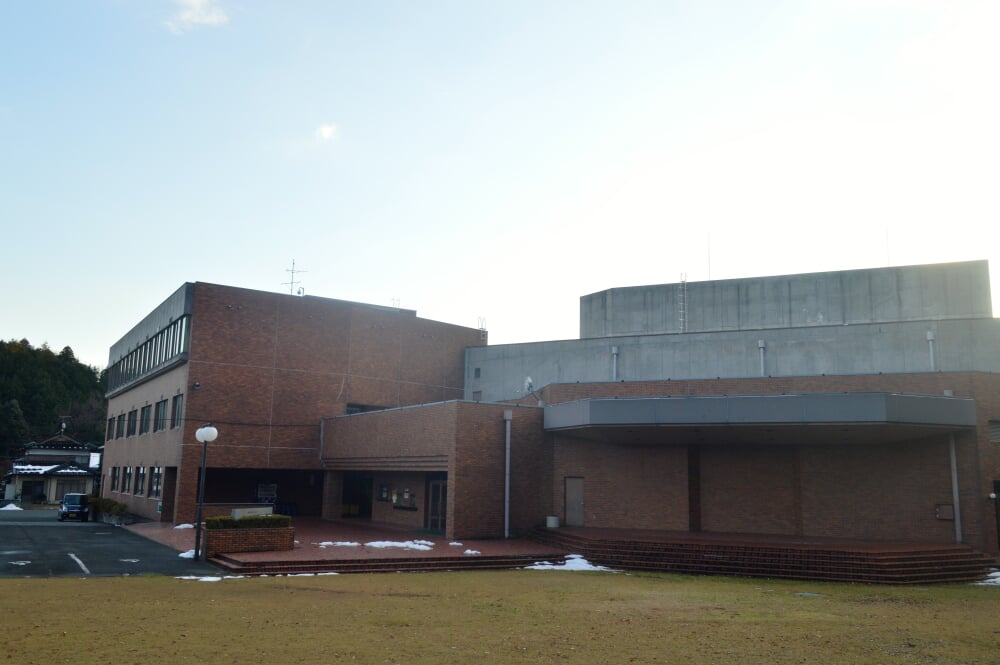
point(156, 352)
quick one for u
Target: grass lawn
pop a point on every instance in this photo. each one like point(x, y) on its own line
point(493, 617)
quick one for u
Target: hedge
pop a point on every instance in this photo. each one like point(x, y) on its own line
point(248, 522)
point(105, 506)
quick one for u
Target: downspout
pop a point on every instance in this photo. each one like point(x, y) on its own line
point(322, 435)
point(614, 363)
point(930, 346)
point(507, 416)
point(761, 345)
point(954, 490)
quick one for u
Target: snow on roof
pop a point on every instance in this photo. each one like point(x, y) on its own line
point(54, 469)
point(32, 469)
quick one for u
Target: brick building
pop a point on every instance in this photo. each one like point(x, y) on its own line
point(265, 368)
point(857, 405)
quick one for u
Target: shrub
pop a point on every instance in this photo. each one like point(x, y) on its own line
point(264, 522)
point(220, 522)
point(248, 522)
point(105, 506)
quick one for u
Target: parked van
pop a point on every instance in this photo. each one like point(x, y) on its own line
point(74, 507)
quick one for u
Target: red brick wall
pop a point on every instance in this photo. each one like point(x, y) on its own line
point(223, 541)
point(634, 487)
point(465, 439)
point(393, 439)
point(750, 489)
point(270, 366)
point(885, 492)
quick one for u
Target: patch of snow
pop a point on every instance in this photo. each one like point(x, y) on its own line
point(11, 506)
point(471, 552)
point(187, 555)
point(129, 560)
point(19, 563)
point(572, 562)
point(423, 545)
point(184, 526)
point(456, 544)
point(210, 579)
point(993, 579)
point(340, 543)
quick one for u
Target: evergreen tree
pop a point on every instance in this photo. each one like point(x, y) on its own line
point(39, 389)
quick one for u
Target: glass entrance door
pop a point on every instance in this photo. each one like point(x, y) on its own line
point(437, 508)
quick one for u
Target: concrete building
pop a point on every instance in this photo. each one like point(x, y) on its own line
point(860, 405)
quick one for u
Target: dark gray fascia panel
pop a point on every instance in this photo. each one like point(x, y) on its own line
point(801, 409)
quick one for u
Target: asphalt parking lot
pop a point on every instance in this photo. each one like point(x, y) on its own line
point(33, 543)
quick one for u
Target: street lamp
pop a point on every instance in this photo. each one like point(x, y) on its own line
point(204, 434)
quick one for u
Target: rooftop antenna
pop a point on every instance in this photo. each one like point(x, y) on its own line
point(291, 284)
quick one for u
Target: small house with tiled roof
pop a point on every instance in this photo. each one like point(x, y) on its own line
point(48, 470)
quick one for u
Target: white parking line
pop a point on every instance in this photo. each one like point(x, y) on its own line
point(79, 563)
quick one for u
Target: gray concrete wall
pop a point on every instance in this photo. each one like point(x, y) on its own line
point(909, 293)
point(958, 345)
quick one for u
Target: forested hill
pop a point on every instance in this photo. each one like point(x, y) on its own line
point(40, 389)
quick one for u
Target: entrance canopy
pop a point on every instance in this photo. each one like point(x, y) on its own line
point(818, 418)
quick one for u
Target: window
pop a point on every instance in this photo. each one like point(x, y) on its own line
point(155, 480)
point(362, 408)
point(127, 479)
point(111, 430)
point(167, 346)
point(120, 426)
point(477, 395)
point(144, 418)
point(132, 418)
point(114, 478)
point(140, 480)
point(176, 411)
point(160, 417)
point(475, 373)
point(994, 431)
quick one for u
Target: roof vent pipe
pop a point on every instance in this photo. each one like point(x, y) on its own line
point(930, 347)
point(614, 363)
point(761, 345)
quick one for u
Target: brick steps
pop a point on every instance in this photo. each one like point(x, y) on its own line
point(895, 565)
point(391, 565)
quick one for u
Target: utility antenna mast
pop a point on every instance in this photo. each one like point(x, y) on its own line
point(291, 284)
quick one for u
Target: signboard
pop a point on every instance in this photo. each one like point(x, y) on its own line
point(256, 510)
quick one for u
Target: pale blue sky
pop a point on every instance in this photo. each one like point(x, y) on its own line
point(471, 160)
